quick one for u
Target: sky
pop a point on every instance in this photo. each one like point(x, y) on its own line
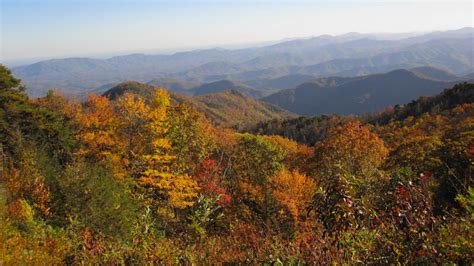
point(64, 28)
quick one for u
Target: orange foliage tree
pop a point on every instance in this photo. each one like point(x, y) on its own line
point(348, 161)
point(97, 125)
point(28, 184)
point(294, 191)
point(351, 149)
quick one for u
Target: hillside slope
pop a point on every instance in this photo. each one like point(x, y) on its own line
point(225, 108)
point(356, 95)
point(173, 85)
point(134, 87)
point(225, 85)
point(434, 73)
point(309, 130)
point(459, 94)
point(237, 110)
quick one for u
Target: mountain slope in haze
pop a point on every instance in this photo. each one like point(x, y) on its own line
point(354, 58)
point(174, 85)
point(224, 85)
point(434, 73)
point(468, 76)
point(283, 82)
point(224, 108)
point(356, 95)
point(344, 55)
point(457, 55)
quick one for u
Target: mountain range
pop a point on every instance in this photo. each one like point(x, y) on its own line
point(269, 68)
point(364, 94)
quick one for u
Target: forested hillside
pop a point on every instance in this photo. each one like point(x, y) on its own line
point(135, 177)
point(309, 129)
point(226, 108)
point(237, 110)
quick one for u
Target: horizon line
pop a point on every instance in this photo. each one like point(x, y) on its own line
point(17, 62)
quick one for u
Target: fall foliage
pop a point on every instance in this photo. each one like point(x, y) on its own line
point(131, 179)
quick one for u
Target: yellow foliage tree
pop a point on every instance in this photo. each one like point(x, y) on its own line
point(134, 117)
point(179, 190)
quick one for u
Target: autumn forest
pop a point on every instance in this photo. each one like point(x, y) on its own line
point(139, 179)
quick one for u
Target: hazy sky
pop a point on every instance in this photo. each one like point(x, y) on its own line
point(59, 28)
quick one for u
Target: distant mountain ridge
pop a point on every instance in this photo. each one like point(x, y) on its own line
point(351, 54)
point(359, 95)
point(224, 85)
point(282, 82)
point(434, 73)
point(174, 85)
